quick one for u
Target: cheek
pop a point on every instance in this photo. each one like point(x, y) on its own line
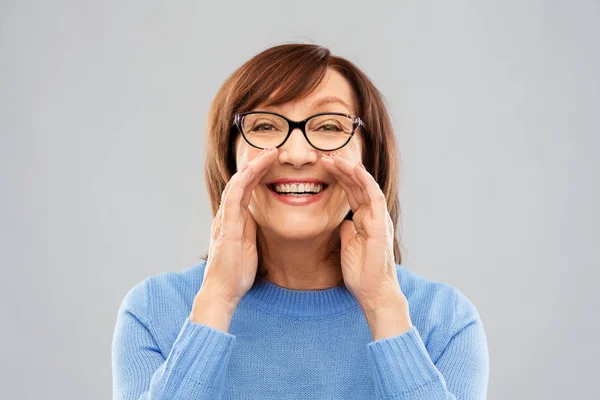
point(244, 154)
point(353, 151)
point(240, 160)
point(241, 155)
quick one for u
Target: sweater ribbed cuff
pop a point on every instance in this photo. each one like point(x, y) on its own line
point(401, 363)
point(200, 355)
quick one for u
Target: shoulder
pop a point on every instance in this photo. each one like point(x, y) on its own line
point(161, 303)
point(438, 309)
point(432, 292)
point(164, 294)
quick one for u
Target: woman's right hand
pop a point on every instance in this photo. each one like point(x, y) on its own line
point(232, 257)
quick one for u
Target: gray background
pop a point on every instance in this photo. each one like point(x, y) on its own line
point(102, 115)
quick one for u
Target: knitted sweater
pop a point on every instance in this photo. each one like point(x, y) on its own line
point(296, 344)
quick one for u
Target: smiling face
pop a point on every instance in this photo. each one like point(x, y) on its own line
point(297, 218)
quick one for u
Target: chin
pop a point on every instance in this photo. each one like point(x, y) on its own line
point(297, 226)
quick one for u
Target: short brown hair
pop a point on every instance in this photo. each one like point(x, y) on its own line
point(289, 72)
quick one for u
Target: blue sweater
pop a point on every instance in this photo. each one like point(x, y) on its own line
point(294, 344)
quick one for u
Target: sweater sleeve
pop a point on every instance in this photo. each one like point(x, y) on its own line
point(194, 368)
point(404, 370)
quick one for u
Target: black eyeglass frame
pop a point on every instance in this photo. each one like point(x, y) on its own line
point(356, 122)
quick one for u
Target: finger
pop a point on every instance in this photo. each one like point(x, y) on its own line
point(329, 164)
point(371, 193)
point(250, 229)
point(271, 157)
point(368, 185)
point(216, 225)
point(236, 175)
point(347, 233)
point(376, 196)
point(240, 183)
point(349, 170)
point(341, 180)
point(347, 175)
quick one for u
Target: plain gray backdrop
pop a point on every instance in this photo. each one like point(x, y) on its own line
point(102, 116)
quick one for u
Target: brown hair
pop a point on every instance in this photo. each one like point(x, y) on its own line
point(288, 72)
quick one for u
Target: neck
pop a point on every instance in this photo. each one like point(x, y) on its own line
point(311, 264)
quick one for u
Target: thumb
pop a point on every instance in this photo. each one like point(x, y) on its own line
point(347, 232)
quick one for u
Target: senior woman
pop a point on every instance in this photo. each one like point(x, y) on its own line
point(301, 294)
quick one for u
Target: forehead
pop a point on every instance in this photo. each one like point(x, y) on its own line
point(334, 93)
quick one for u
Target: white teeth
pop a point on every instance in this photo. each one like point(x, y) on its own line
point(298, 187)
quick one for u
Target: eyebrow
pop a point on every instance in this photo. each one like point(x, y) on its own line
point(329, 99)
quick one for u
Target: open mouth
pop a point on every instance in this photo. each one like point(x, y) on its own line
point(298, 190)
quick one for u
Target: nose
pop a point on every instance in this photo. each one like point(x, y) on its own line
point(297, 151)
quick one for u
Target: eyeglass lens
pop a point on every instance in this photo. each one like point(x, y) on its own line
point(323, 131)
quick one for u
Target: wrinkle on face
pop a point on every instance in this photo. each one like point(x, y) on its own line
point(306, 236)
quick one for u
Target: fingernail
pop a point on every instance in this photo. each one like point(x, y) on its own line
point(361, 165)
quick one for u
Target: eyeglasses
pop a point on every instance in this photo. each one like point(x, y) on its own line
point(323, 131)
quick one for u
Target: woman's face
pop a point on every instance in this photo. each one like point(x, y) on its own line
point(296, 218)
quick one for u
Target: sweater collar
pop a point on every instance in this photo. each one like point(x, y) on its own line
point(300, 303)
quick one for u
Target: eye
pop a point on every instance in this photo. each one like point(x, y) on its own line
point(260, 126)
point(330, 127)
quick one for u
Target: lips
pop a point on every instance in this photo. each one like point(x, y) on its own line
point(297, 180)
point(273, 186)
point(297, 200)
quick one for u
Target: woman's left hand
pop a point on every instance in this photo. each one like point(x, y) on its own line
point(367, 253)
